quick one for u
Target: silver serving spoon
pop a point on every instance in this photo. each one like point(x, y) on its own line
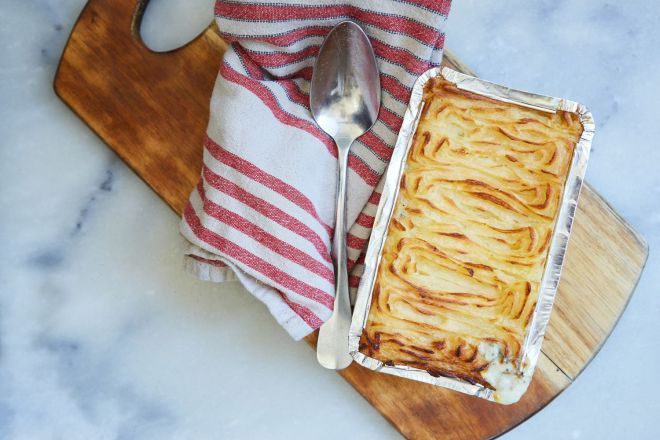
point(344, 99)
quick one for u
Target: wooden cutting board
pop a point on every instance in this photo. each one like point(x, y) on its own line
point(152, 109)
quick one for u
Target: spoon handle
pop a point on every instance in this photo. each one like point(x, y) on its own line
point(332, 346)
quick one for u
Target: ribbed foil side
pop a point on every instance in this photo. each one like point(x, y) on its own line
point(550, 281)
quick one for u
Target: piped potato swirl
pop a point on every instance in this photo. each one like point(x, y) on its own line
point(468, 240)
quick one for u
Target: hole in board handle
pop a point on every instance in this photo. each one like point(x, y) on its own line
point(167, 25)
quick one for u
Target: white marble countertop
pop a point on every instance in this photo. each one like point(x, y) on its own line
point(102, 335)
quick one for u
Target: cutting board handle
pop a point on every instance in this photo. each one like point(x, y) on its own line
point(124, 83)
point(136, 9)
point(120, 21)
point(123, 18)
point(126, 18)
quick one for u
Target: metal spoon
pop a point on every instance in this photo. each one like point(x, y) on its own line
point(344, 99)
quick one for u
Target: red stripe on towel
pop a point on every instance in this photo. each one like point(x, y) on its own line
point(254, 262)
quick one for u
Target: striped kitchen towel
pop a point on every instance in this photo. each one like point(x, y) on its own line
point(263, 211)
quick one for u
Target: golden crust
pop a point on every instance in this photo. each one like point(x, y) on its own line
point(469, 236)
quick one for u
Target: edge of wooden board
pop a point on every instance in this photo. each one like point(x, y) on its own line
point(644, 247)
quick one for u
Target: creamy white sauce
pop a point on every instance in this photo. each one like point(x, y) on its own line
point(509, 382)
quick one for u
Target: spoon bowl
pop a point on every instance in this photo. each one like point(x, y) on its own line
point(345, 90)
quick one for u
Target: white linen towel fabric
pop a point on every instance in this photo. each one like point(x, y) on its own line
point(263, 211)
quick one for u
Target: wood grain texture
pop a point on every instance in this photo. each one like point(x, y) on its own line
point(603, 262)
point(152, 109)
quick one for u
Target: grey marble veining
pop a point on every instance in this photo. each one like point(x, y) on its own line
point(103, 336)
